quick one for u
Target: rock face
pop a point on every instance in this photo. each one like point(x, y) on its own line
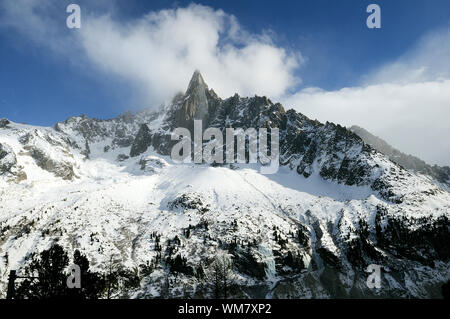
point(195, 103)
point(152, 164)
point(7, 158)
point(198, 103)
point(50, 151)
point(58, 168)
point(122, 157)
point(4, 123)
point(142, 141)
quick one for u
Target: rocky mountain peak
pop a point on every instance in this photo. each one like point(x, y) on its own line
point(196, 83)
point(195, 104)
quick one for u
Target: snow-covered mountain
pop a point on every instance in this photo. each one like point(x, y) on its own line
point(110, 189)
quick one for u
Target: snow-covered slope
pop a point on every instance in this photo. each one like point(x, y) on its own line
point(109, 188)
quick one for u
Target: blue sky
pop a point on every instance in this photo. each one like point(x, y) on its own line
point(49, 73)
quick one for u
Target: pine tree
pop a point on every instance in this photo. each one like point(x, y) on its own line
point(51, 278)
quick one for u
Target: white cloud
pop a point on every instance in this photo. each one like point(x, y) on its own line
point(428, 60)
point(31, 18)
point(412, 117)
point(406, 102)
point(159, 52)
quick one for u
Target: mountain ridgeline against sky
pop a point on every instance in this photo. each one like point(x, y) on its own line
point(109, 189)
point(438, 173)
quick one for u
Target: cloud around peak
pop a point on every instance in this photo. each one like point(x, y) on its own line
point(158, 52)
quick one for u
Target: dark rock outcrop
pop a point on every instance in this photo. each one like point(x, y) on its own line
point(7, 158)
point(142, 141)
point(4, 123)
point(61, 169)
point(122, 157)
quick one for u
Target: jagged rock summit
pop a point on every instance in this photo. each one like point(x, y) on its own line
point(196, 84)
point(195, 104)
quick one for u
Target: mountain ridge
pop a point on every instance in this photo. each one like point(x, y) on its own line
point(439, 173)
point(335, 206)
